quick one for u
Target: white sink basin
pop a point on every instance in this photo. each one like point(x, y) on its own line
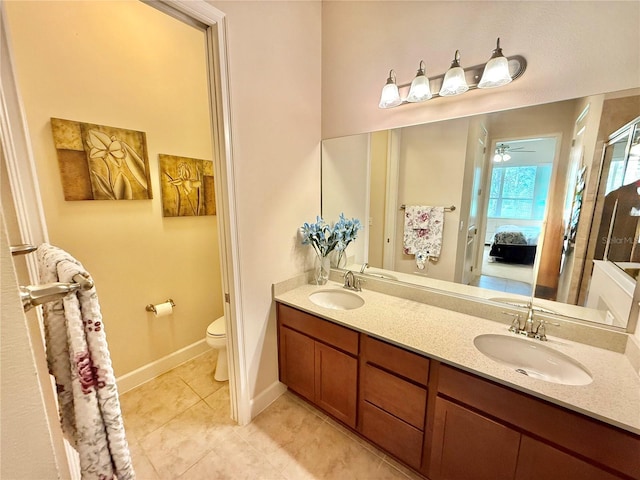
point(336, 299)
point(533, 359)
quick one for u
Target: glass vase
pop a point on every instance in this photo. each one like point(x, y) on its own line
point(339, 259)
point(322, 268)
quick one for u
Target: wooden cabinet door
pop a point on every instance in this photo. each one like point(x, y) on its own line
point(297, 359)
point(468, 446)
point(538, 460)
point(336, 383)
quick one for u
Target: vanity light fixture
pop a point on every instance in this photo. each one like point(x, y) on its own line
point(501, 153)
point(420, 90)
point(454, 82)
point(390, 95)
point(498, 71)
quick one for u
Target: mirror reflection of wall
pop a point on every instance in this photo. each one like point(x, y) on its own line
point(451, 163)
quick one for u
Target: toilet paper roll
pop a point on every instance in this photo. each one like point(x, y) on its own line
point(163, 309)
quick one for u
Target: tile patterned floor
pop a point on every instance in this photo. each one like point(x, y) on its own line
point(179, 427)
point(505, 285)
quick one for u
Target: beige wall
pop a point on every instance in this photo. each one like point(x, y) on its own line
point(573, 49)
point(274, 75)
point(144, 71)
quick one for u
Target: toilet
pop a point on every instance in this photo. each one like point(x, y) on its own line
point(217, 338)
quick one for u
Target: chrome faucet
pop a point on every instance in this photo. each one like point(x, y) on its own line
point(364, 266)
point(528, 324)
point(351, 282)
point(538, 333)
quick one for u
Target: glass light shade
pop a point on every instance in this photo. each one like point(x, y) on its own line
point(497, 158)
point(420, 90)
point(496, 73)
point(390, 96)
point(454, 82)
point(506, 157)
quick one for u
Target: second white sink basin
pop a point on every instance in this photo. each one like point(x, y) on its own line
point(336, 299)
point(533, 359)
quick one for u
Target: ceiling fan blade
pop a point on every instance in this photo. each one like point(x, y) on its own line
point(519, 150)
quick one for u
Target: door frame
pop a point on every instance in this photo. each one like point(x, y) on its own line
point(482, 139)
point(487, 187)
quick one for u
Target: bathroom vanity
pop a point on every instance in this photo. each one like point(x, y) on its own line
point(405, 376)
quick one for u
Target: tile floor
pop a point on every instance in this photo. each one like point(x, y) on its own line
point(179, 427)
point(505, 285)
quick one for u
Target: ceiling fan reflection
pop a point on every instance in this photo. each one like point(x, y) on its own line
point(502, 152)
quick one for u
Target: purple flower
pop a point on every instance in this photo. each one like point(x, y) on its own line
point(89, 375)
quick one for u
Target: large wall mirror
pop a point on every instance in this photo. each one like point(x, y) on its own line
point(538, 204)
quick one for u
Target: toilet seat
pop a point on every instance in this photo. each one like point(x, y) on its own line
point(217, 328)
point(217, 339)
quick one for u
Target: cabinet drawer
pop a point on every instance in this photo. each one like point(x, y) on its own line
point(407, 364)
point(397, 437)
point(323, 330)
point(537, 460)
point(394, 395)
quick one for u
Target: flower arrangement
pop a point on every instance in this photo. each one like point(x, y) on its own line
point(325, 238)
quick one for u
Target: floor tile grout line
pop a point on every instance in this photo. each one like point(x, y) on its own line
point(173, 417)
point(207, 452)
point(261, 454)
point(381, 458)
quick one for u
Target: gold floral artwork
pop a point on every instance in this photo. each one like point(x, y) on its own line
point(187, 186)
point(101, 163)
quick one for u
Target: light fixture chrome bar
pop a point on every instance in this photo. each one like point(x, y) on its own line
point(498, 71)
point(517, 66)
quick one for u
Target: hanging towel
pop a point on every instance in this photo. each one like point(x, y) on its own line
point(423, 232)
point(79, 360)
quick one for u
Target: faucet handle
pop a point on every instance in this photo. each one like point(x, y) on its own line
point(541, 331)
point(515, 324)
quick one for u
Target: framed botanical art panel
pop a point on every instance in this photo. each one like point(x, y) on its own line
point(101, 163)
point(187, 186)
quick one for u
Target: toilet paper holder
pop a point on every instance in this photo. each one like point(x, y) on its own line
point(152, 308)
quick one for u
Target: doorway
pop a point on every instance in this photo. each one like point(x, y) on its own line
point(517, 186)
point(69, 224)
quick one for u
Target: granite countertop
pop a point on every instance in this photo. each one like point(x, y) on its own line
point(445, 335)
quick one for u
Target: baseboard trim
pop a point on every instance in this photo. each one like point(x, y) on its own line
point(266, 398)
point(131, 380)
